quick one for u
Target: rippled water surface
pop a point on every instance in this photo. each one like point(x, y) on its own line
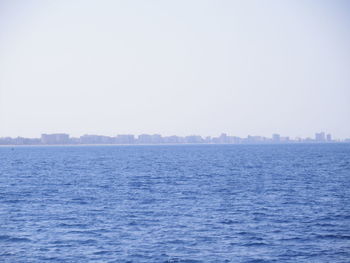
point(206, 203)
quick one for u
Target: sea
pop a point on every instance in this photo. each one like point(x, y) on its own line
point(175, 203)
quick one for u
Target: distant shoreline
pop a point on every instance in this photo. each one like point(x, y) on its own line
point(171, 144)
point(158, 139)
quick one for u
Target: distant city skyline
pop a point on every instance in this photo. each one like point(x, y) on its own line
point(174, 67)
point(274, 135)
point(223, 138)
point(312, 135)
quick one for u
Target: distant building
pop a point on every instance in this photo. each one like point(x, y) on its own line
point(150, 139)
point(125, 139)
point(26, 141)
point(157, 138)
point(284, 139)
point(96, 139)
point(74, 140)
point(207, 139)
point(276, 137)
point(6, 141)
point(144, 139)
point(223, 138)
point(320, 137)
point(235, 139)
point(254, 139)
point(57, 138)
point(307, 139)
point(172, 139)
point(194, 139)
point(329, 137)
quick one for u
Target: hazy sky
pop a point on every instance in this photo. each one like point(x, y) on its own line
point(175, 67)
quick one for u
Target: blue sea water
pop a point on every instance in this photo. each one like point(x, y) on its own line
point(194, 203)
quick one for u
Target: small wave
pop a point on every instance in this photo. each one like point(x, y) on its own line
point(229, 222)
point(176, 241)
point(72, 225)
point(255, 244)
point(102, 252)
point(257, 261)
point(331, 236)
point(299, 239)
point(178, 260)
point(244, 233)
point(7, 238)
point(13, 201)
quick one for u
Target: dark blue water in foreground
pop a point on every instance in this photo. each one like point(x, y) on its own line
point(239, 203)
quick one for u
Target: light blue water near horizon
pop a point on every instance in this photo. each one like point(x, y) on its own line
point(194, 203)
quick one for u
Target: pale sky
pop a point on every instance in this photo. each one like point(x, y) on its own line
point(175, 67)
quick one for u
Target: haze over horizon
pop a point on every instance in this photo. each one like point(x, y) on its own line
point(175, 67)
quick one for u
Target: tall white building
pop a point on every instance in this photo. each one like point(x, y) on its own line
point(320, 137)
